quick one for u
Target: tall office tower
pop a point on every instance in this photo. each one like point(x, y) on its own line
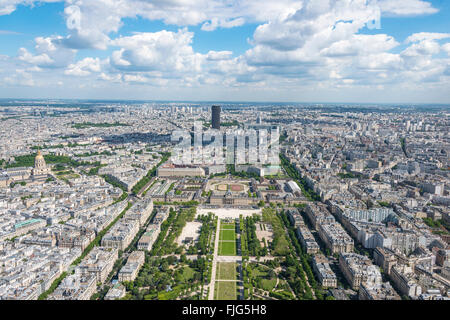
point(215, 119)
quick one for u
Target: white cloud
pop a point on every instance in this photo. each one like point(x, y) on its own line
point(41, 60)
point(49, 54)
point(298, 44)
point(319, 23)
point(163, 51)
point(20, 78)
point(92, 21)
point(406, 7)
point(446, 48)
point(215, 23)
point(110, 77)
point(135, 78)
point(84, 67)
point(100, 18)
point(320, 44)
point(219, 55)
point(416, 37)
point(359, 44)
point(423, 48)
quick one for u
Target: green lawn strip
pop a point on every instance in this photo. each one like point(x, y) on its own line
point(227, 226)
point(227, 248)
point(227, 235)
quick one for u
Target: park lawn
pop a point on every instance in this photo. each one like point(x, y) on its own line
point(225, 290)
point(267, 284)
point(72, 176)
point(226, 271)
point(188, 273)
point(228, 226)
point(227, 235)
point(227, 248)
point(279, 235)
point(259, 272)
point(170, 295)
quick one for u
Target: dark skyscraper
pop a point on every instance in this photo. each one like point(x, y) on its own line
point(215, 119)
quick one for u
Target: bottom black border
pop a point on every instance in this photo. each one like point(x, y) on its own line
point(168, 310)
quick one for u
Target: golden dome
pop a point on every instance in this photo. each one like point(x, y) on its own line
point(39, 155)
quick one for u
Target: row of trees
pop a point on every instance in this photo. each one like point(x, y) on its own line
point(85, 125)
point(253, 245)
point(295, 276)
point(243, 232)
point(143, 182)
point(157, 245)
point(246, 175)
point(203, 246)
point(191, 203)
point(28, 161)
point(305, 258)
point(293, 173)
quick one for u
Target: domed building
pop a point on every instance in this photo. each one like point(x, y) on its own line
point(36, 175)
point(40, 167)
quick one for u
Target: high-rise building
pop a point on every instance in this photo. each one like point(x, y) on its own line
point(259, 119)
point(215, 119)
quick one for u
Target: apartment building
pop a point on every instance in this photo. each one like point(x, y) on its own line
point(322, 269)
point(99, 262)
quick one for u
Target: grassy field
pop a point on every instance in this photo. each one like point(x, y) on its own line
point(225, 290)
point(227, 235)
point(268, 284)
point(227, 248)
point(226, 271)
point(188, 273)
point(227, 239)
point(228, 226)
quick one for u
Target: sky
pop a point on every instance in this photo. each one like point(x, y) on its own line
point(361, 51)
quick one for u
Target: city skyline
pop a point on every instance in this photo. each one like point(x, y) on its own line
point(279, 51)
point(261, 153)
point(351, 202)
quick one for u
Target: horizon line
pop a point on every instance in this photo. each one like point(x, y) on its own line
point(229, 101)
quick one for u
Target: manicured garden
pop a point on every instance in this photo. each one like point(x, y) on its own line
point(227, 239)
point(227, 248)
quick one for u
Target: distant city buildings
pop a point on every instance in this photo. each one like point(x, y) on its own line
point(366, 194)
